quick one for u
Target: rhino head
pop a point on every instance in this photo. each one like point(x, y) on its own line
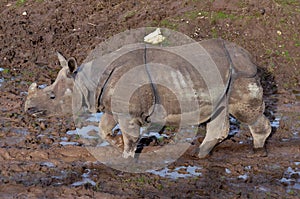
point(55, 99)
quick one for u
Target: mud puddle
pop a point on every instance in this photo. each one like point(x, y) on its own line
point(85, 179)
point(291, 177)
point(178, 172)
point(12, 136)
point(1, 81)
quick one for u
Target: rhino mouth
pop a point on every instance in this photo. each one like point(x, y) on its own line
point(36, 112)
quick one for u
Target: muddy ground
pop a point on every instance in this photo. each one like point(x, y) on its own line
point(36, 162)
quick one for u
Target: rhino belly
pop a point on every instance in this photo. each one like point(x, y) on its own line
point(144, 102)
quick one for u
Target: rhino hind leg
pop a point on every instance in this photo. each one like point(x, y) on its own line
point(248, 108)
point(130, 129)
point(260, 130)
point(216, 130)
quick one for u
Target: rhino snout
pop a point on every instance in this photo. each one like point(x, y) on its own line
point(31, 101)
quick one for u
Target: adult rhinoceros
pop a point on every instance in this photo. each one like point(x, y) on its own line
point(140, 83)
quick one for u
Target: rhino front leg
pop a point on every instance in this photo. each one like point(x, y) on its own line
point(216, 131)
point(131, 133)
point(107, 123)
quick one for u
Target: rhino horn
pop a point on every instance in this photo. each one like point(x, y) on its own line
point(32, 88)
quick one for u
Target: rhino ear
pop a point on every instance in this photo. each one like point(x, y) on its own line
point(62, 60)
point(72, 64)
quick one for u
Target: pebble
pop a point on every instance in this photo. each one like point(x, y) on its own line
point(47, 140)
point(279, 32)
point(4, 155)
point(43, 126)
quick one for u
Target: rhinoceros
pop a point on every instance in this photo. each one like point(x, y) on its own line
point(98, 86)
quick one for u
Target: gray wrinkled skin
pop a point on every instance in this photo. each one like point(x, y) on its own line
point(92, 89)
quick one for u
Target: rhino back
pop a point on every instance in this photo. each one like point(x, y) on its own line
point(178, 84)
point(242, 60)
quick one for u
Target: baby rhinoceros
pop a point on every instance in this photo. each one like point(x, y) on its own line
point(99, 85)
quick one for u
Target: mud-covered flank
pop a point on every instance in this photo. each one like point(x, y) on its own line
point(41, 158)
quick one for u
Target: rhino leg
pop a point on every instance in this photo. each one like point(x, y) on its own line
point(216, 130)
point(260, 131)
point(130, 129)
point(106, 125)
point(247, 105)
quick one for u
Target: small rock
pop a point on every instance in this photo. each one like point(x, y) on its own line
point(286, 101)
point(47, 140)
point(4, 155)
point(38, 155)
point(43, 126)
point(24, 13)
point(182, 171)
point(279, 32)
point(262, 11)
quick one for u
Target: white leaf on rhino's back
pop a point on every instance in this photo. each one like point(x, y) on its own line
point(155, 37)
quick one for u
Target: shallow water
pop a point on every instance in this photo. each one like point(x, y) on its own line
point(95, 117)
point(48, 164)
point(42, 86)
point(64, 143)
point(291, 177)
point(1, 81)
point(85, 132)
point(276, 122)
point(85, 179)
point(178, 172)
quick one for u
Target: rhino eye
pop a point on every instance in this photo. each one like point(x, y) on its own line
point(52, 95)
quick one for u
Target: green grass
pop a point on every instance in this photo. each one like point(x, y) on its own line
point(216, 16)
point(222, 15)
point(159, 186)
point(214, 33)
point(168, 24)
point(130, 14)
point(141, 180)
point(20, 2)
point(170, 128)
point(191, 14)
point(5, 71)
point(287, 2)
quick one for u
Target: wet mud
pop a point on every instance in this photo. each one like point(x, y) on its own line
point(46, 158)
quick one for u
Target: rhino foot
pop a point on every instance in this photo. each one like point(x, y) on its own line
point(206, 147)
point(202, 155)
point(127, 154)
point(258, 152)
